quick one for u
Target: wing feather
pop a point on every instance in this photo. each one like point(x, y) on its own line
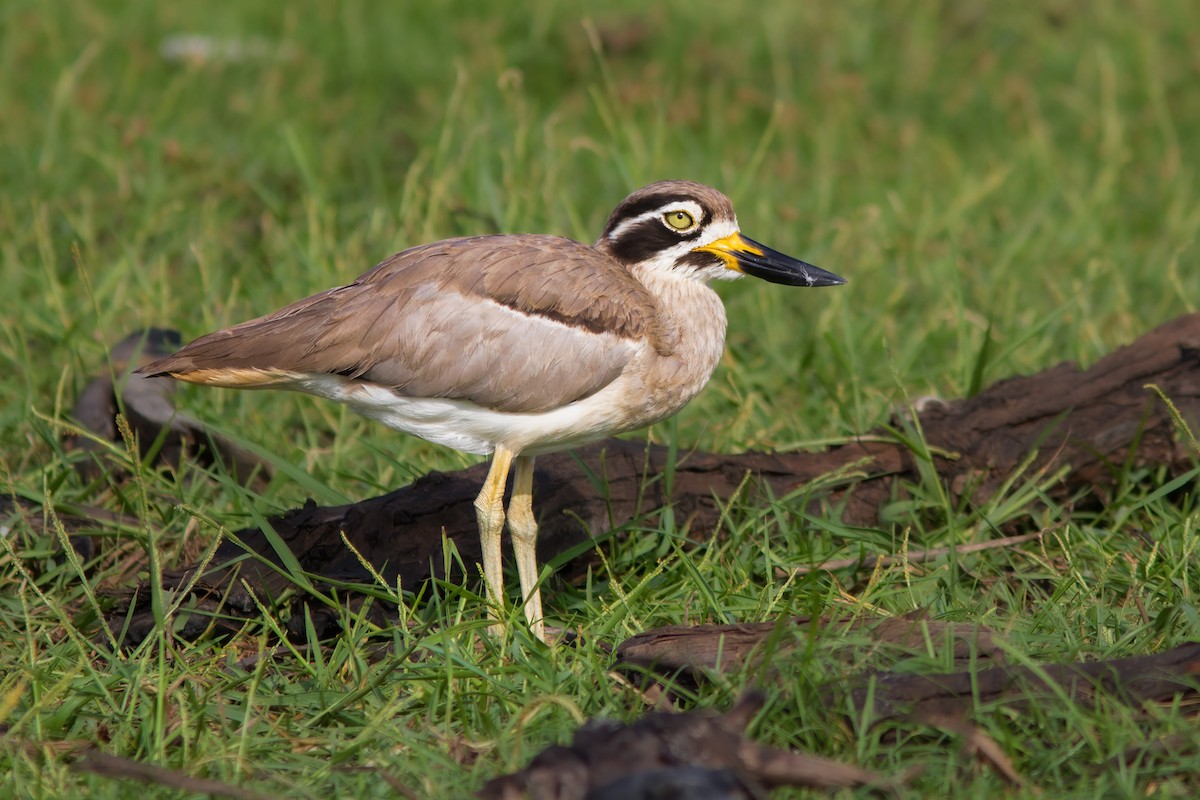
point(513, 323)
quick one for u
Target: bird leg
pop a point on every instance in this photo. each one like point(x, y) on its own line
point(489, 511)
point(522, 525)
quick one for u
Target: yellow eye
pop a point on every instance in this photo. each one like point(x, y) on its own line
point(679, 220)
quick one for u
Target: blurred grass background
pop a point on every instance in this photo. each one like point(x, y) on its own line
point(1004, 185)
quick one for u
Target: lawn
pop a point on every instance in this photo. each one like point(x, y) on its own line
point(1005, 186)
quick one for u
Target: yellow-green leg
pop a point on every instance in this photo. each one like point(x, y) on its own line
point(489, 511)
point(523, 527)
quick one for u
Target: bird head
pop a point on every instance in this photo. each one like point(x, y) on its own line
point(689, 229)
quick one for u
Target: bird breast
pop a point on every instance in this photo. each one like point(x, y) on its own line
point(689, 343)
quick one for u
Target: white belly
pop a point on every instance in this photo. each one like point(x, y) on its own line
point(473, 429)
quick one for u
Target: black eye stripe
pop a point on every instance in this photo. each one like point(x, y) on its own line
point(660, 203)
point(647, 239)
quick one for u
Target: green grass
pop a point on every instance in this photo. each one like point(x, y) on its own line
point(1027, 174)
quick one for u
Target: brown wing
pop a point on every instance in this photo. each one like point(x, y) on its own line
point(515, 323)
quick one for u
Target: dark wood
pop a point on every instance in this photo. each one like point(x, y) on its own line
point(700, 648)
point(1092, 421)
point(676, 650)
point(697, 754)
point(1136, 679)
point(148, 405)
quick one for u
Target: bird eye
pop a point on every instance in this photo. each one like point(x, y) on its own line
point(679, 220)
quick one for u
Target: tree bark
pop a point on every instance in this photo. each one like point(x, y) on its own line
point(1091, 421)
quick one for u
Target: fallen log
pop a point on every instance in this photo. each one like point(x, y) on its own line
point(148, 405)
point(697, 754)
point(1133, 680)
point(880, 694)
point(696, 649)
point(680, 656)
point(1091, 421)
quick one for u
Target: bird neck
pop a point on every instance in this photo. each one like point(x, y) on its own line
point(689, 316)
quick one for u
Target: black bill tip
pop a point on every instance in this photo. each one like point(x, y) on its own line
point(747, 256)
point(761, 261)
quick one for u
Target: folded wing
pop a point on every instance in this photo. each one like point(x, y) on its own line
point(512, 323)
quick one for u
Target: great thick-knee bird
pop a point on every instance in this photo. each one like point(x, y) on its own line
point(514, 345)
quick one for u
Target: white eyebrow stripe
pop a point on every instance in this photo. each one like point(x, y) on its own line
point(690, 206)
